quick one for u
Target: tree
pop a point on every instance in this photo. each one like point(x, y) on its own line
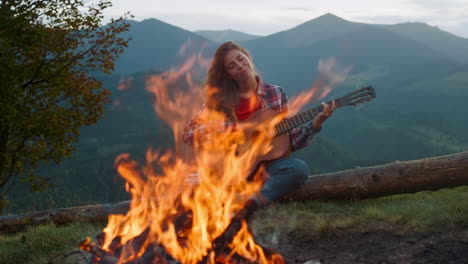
point(50, 51)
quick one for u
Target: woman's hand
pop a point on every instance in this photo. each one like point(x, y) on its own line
point(324, 115)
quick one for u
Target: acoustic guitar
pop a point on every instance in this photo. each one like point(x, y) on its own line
point(277, 136)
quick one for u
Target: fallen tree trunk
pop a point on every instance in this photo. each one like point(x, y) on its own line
point(393, 178)
point(89, 213)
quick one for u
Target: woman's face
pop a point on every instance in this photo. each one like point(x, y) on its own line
point(237, 65)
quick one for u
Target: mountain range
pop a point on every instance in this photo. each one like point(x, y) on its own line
point(155, 44)
point(419, 72)
point(330, 25)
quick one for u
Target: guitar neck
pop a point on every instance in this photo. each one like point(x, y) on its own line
point(292, 122)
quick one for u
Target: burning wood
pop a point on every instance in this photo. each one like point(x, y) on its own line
point(221, 250)
point(153, 254)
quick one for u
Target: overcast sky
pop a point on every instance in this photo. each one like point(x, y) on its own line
point(264, 17)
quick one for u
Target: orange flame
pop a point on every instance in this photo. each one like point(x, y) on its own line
point(185, 218)
point(331, 74)
point(249, 249)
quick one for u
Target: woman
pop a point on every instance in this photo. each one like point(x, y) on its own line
point(239, 93)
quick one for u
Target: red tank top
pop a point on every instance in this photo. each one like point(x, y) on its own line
point(247, 106)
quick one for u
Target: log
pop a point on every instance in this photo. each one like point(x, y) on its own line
point(394, 178)
point(89, 213)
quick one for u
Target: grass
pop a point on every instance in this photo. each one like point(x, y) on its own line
point(405, 213)
point(44, 244)
point(423, 211)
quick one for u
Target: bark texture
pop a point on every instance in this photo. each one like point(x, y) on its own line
point(393, 178)
point(89, 213)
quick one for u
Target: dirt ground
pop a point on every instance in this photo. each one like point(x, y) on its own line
point(380, 247)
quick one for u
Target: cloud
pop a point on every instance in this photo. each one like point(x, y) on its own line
point(460, 29)
point(302, 9)
point(438, 4)
point(449, 16)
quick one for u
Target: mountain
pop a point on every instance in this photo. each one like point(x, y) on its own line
point(220, 36)
point(154, 45)
point(293, 64)
point(414, 82)
point(420, 109)
point(323, 27)
point(451, 45)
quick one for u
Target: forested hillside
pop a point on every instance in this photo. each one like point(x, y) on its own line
point(420, 109)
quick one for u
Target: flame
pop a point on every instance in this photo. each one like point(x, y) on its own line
point(166, 209)
point(249, 249)
point(331, 74)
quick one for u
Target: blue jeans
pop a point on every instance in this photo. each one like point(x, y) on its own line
point(285, 175)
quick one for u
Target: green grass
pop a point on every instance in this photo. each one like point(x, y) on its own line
point(44, 244)
point(423, 211)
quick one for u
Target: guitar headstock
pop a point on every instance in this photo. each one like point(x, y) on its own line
point(358, 96)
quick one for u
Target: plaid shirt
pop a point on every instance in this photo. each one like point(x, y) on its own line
point(271, 96)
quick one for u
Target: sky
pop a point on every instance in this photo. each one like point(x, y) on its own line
point(264, 17)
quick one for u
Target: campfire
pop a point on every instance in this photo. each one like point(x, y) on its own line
point(189, 207)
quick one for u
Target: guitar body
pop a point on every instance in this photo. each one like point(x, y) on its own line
point(273, 147)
